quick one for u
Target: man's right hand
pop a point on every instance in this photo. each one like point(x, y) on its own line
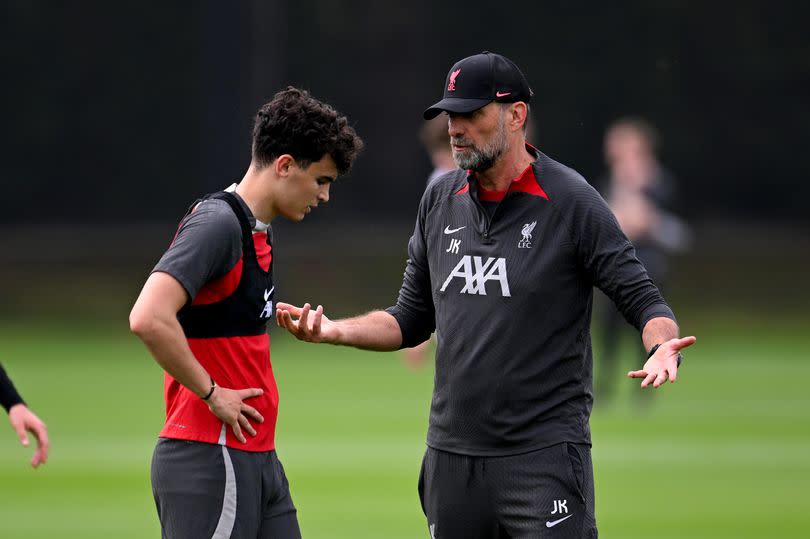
point(377, 330)
point(318, 329)
point(24, 421)
point(229, 406)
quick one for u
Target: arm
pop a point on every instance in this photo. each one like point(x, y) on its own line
point(408, 323)
point(610, 260)
point(23, 420)
point(376, 330)
point(154, 320)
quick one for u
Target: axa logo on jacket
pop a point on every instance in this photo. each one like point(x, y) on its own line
point(476, 272)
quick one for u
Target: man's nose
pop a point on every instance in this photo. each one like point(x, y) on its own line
point(323, 196)
point(455, 127)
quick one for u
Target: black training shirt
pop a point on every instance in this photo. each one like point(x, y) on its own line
point(509, 294)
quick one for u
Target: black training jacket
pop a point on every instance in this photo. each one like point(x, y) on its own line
point(510, 299)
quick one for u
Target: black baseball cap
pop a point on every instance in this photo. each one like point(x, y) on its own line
point(479, 80)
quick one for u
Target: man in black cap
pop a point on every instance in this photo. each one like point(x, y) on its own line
point(502, 263)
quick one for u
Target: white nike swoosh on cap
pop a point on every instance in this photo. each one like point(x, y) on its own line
point(448, 230)
point(553, 523)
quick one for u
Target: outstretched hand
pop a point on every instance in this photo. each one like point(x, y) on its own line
point(318, 329)
point(663, 364)
point(24, 421)
point(229, 406)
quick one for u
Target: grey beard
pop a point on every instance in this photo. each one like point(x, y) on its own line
point(477, 160)
point(483, 158)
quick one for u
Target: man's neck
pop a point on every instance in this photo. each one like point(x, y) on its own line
point(506, 169)
point(252, 189)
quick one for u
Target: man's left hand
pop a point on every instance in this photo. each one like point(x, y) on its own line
point(663, 364)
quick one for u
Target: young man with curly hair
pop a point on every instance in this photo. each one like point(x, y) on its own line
point(203, 313)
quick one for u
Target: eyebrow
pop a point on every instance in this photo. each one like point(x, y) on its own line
point(328, 178)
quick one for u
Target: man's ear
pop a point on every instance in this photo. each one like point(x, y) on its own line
point(517, 115)
point(283, 163)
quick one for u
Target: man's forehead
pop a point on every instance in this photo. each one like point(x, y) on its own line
point(325, 166)
point(484, 111)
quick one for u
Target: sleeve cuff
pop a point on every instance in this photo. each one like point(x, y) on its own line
point(413, 332)
point(657, 310)
point(8, 394)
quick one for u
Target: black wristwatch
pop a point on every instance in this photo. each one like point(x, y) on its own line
point(655, 348)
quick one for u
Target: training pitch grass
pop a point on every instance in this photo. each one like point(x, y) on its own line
point(723, 453)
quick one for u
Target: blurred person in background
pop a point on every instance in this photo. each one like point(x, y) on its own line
point(436, 140)
point(203, 314)
point(502, 262)
point(641, 193)
point(23, 420)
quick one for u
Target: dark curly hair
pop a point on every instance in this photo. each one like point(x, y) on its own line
point(296, 123)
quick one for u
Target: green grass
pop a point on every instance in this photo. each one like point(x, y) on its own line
point(723, 453)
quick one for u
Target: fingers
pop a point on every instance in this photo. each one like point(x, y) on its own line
point(304, 330)
point(316, 320)
point(253, 413)
point(656, 378)
point(279, 317)
point(683, 342)
point(660, 378)
point(237, 431)
point(301, 328)
point(249, 393)
point(287, 322)
point(648, 379)
point(245, 424)
point(281, 306)
point(39, 457)
point(302, 320)
point(242, 423)
point(19, 428)
point(229, 406)
point(673, 372)
point(284, 319)
point(40, 432)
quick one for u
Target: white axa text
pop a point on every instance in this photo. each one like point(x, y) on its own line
point(476, 272)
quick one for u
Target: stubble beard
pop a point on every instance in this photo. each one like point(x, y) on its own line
point(481, 158)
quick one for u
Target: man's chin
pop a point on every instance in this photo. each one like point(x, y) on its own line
point(465, 164)
point(295, 217)
point(476, 164)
